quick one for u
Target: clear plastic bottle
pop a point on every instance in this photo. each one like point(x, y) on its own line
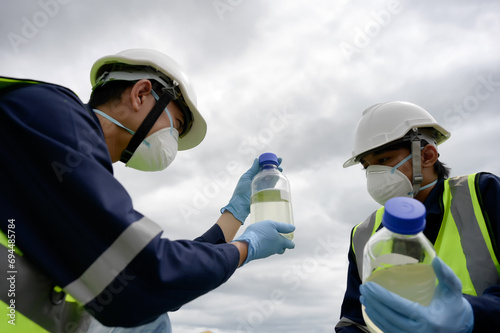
point(398, 257)
point(271, 199)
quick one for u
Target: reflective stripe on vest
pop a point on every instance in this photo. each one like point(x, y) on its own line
point(465, 247)
point(476, 265)
point(36, 294)
point(111, 262)
point(31, 302)
point(38, 300)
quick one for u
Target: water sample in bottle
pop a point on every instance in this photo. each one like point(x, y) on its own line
point(271, 199)
point(398, 257)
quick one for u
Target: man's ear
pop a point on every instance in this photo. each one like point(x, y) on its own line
point(140, 89)
point(429, 156)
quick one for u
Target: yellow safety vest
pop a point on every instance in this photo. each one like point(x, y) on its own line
point(30, 301)
point(463, 241)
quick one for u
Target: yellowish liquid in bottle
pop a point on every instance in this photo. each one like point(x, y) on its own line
point(271, 205)
point(415, 282)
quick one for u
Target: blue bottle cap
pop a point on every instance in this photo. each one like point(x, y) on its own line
point(404, 216)
point(267, 158)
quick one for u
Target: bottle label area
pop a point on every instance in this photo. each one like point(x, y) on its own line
point(272, 205)
point(392, 259)
point(270, 196)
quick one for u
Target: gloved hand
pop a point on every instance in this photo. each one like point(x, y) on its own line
point(449, 311)
point(239, 205)
point(264, 239)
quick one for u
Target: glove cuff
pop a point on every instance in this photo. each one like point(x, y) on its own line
point(250, 250)
point(468, 317)
point(240, 217)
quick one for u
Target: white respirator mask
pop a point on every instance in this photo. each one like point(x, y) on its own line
point(385, 182)
point(156, 152)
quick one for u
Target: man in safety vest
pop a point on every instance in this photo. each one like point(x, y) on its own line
point(396, 143)
point(73, 247)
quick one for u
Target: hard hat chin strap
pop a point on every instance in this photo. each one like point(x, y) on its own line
point(145, 127)
point(418, 177)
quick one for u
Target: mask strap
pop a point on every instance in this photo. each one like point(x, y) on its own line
point(429, 185)
point(117, 123)
point(155, 95)
point(417, 173)
point(418, 177)
point(145, 127)
point(403, 161)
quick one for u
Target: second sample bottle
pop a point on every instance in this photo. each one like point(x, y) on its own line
point(271, 199)
point(398, 257)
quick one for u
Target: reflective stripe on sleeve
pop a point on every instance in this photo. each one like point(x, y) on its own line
point(112, 261)
point(345, 322)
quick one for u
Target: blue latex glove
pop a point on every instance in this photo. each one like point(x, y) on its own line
point(264, 239)
point(239, 205)
point(449, 311)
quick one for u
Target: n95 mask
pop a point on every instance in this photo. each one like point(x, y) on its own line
point(385, 182)
point(156, 152)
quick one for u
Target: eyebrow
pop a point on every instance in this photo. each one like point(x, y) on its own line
point(375, 154)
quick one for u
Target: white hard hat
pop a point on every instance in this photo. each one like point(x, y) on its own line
point(168, 70)
point(384, 123)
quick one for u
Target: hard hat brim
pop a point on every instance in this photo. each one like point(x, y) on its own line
point(384, 123)
point(169, 67)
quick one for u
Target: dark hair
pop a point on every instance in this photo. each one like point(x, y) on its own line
point(440, 168)
point(113, 90)
point(108, 92)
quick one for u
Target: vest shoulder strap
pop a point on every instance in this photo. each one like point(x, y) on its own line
point(8, 83)
point(362, 232)
point(464, 228)
point(37, 300)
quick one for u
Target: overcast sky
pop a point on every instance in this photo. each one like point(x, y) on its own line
point(290, 77)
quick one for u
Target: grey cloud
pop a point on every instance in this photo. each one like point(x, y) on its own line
point(255, 61)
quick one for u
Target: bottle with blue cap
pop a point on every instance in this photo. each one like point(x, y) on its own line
point(398, 256)
point(271, 199)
